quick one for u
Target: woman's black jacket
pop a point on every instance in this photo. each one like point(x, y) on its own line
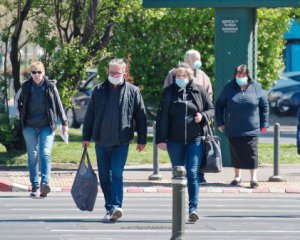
point(200, 97)
point(54, 106)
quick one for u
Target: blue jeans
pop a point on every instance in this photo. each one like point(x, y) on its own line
point(39, 142)
point(111, 161)
point(188, 155)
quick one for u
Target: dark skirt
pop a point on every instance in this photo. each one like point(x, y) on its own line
point(243, 151)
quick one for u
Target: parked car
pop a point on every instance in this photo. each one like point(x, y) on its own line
point(284, 97)
point(81, 99)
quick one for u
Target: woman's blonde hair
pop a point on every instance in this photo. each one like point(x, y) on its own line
point(184, 67)
point(37, 64)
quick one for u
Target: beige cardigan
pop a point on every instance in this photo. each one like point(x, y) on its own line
point(201, 79)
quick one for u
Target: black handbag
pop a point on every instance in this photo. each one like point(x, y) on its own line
point(212, 156)
point(85, 186)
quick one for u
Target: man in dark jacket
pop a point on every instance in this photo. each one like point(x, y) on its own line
point(113, 107)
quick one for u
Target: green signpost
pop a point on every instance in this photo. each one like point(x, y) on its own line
point(235, 37)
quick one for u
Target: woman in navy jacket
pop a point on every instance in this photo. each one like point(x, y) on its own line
point(242, 110)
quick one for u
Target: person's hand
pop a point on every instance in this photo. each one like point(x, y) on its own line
point(162, 146)
point(65, 128)
point(198, 117)
point(85, 144)
point(263, 130)
point(140, 147)
point(221, 128)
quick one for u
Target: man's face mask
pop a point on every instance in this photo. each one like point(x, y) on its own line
point(116, 80)
point(197, 64)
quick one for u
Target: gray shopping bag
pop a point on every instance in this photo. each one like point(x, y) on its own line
point(85, 186)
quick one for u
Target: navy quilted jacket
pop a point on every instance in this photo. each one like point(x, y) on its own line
point(242, 112)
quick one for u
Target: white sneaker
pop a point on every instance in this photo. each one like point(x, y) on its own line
point(193, 217)
point(116, 214)
point(34, 192)
point(107, 216)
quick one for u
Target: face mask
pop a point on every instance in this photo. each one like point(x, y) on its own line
point(182, 82)
point(115, 81)
point(197, 64)
point(242, 81)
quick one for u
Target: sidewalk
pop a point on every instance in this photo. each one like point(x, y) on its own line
point(136, 180)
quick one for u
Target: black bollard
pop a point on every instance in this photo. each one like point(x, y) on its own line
point(276, 177)
point(156, 175)
point(179, 183)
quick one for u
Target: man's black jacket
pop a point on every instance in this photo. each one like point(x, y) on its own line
point(132, 108)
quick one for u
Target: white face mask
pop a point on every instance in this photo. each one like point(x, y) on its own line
point(116, 81)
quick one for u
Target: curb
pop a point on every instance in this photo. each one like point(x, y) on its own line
point(8, 186)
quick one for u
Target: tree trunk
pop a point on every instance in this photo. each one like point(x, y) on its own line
point(14, 54)
point(90, 21)
point(77, 21)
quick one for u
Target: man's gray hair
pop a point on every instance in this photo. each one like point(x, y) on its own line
point(118, 61)
point(191, 53)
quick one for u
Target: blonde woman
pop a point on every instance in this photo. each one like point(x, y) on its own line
point(39, 107)
point(192, 57)
point(180, 126)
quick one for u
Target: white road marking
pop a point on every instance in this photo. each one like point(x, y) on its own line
point(151, 210)
point(166, 231)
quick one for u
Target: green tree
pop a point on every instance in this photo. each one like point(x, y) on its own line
point(272, 24)
point(17, 11)
point(77, 35)
point(157, 39)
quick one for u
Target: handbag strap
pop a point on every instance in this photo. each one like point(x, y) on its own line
point(210, 131)
point(85, 154)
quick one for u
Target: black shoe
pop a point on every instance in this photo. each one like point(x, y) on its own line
point(254, 184)
point(236, 182)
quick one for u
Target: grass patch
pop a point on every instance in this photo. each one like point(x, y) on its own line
point(71, 153)
point(287, 154)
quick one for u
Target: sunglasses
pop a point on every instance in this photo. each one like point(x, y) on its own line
point(36, 72)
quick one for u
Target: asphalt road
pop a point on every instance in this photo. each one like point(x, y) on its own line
point(148, 216)
point(287, 135)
